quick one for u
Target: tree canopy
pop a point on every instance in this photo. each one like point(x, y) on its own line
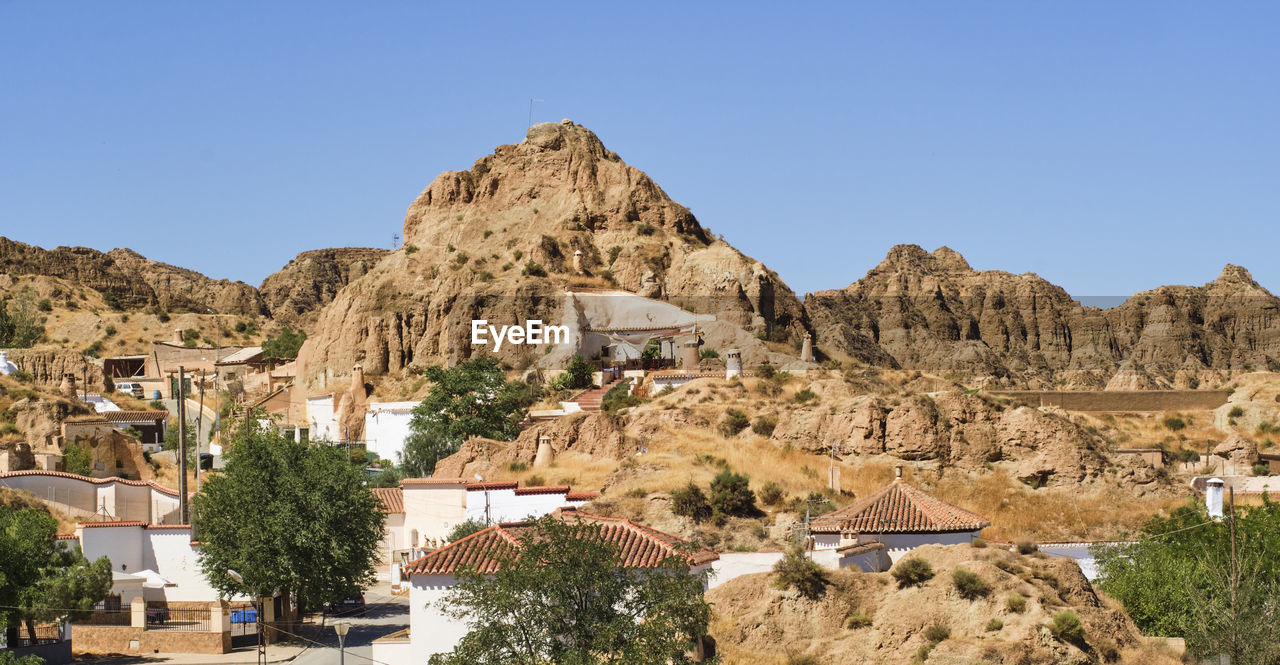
point(561, 598)
point(283, 346)
point(288, 516)
point(42, 578)
point(20, 323)
point(1179, 580)
point(470, 399)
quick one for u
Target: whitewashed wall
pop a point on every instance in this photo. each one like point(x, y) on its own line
point(121, 544)
point(736, 564)
point(386, 425)
point(431, 631)
point(170, 553)
point(433, 511)
point(320, 415)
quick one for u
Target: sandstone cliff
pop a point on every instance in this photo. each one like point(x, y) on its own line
point(296, 293)
point(932, 311)
point(498, 242)
point(135, 281)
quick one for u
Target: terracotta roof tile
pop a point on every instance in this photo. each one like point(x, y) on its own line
point(133, 416)
point(492, 485)
point(434, 481)
point(102, 524)
point(640, 547)
point(392, 499)
point(542, 489)
point(154, 527)
point(96, 481)
point(899, 508)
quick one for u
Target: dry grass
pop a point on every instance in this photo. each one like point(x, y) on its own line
point(23, 499)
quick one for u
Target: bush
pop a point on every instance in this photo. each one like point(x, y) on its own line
point(969, 585)
point(637, 493)
point(465, 529)
point(735, 421)
point(21, 376)
point(1016, 603)
point(912, 572)
point(858, 619)
point(764, 425)
point(577, 375)
point(1067, 627)
point(517, 467)
point(994, 625)
point(410, 248)
point(731, 494)
point(802, 659)
point(1026, 547)
point(645, 229)
point(799, 572)
point(805, 395)
point(1262, 469)
point(690, 502)
point(765, 370)
point(75, 459)
point(111, 299)
point(1188, 455)
point(708, 353)
point(1235, 412)
point(1175, 424)
point(44, 305)
point(770, 493)
point(937, 633)
point(978, 543)
point(533, 269)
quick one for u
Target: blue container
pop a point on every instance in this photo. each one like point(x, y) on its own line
point(155, 394)
point(244, 616)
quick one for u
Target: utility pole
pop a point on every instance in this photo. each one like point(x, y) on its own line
point(199, 427)
point(1235, 574)
point(183, 516)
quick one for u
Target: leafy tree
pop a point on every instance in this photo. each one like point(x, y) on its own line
point(470, 399)
point(912, 572)
point(576, 376)
point(42, 578)
point(561, 598)
point(1179, 579)
point(731, 494)
point(466, 528)
point(799, 572)
point(7, 658)
point(288, 515)
point(171, 442)
point(389, 477)
point(75, 459)
point(22, 326)
point(689, 501)
point(284, 346)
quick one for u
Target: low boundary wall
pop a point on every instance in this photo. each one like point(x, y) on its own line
point(1118, 400)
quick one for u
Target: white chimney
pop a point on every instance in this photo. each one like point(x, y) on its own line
point(1213, 497)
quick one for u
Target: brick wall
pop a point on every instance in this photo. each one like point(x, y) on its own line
point(130, 640)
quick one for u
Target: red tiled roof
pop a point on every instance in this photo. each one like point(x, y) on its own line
point(581, 496)
point(168, 526)
point(96, 481)
point(640, 547)
point(433, 481)
point(133, 416)
point(392, 499)
point(542, 489)
point(899, 508)
point(66, 536)
point(492, 485)
point(101, 524)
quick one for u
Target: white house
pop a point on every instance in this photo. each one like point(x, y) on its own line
point(320, 416)
point(159, 562)
point(421, 512)
point(386, 426)
point(877, 531)
point(432, 631)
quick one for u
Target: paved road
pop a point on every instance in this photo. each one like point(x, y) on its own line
point(384, 614)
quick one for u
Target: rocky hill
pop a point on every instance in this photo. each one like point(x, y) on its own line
point(499, 241)
point(296, 293)
point(134, 281)
point(932, 311)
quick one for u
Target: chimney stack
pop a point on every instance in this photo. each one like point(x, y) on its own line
point(732, 363)
point(545, 453)
point(689, 355)
point(177, 336)
point(806, 349)
point(357, 377)
point(1213, 497)
point(577, 261)
point(897, 473)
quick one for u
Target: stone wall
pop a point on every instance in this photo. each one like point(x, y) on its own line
point(130, 640)
point(1118, 400)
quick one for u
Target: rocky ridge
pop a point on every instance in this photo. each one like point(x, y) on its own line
point(296, 293)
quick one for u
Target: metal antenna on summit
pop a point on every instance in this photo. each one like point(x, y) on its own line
point(395, 240)
point(531, 101)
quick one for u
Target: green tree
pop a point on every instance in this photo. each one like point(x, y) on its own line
point(75, 459)
point(283, 346)
point(562, 598)
point(797, 571)
point(466, 528)
point(470, 399)
point(731, 494)
point(20, 327)
point(576, 376)
point(1180, 579)
point(42, 578)
point(288, 515)
point(171, 441)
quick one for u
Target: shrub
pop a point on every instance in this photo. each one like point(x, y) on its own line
point(1175, 423)
point(614, 252)
point(533, 269)
point(735, 421)
point(518, 254)
point(1235, 412)
point(690, 502)
point(1262, 469)
point(9, 428)
point(508, 266)
point(708, 353)
point(1188, 455)
point(465, 529)
point(109, 331)
point(770, 493)
point(645, 229)
point(44, 305)
point(487, 233)
point(517, 466)
point(21, 376)
point(411, 248)
point(1266, 426)
point(937, 633)
point(535, 480)
point(978, 543)
point(1026, 547)
point(802, 659)
point(969, 585)
point(764, 425)
point(912, 572)
point(111, 299)
point(797, 571)
point(75, 459)
point(484, 276)
point(805, 395)
point(638, 493)
point(1067, 627)
point(731, 494)
point(1016, 603)
point(858, 619)
point(994, 625)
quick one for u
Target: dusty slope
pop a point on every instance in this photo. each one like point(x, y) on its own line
point(932, 311)
point(757, 623)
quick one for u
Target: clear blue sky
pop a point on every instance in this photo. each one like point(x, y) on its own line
point(1109, 147)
